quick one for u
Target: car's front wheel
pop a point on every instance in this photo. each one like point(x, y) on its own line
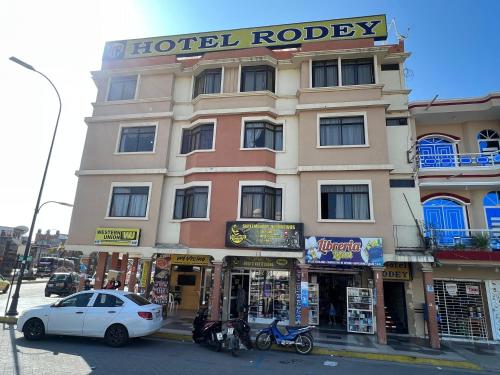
point(34, 329)
point(116, 335)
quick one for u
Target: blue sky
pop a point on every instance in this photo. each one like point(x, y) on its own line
point(455, 49)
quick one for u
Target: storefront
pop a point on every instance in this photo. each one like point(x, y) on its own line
point(341, 286)
point(396, 276)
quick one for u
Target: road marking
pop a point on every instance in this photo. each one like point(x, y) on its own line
point(330, 363)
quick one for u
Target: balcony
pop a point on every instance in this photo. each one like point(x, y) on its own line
point(483, 160)
point(464, 239)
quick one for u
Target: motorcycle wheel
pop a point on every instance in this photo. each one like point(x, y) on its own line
point(263, 341)
point(303, 344)
point(212, 342)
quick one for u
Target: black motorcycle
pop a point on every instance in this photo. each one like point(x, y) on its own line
point(218, 335)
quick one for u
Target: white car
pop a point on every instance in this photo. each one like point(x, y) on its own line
point(114, 315)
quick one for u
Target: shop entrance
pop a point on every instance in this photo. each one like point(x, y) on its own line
point(240, 285)
point(395, 307)
point(331, 309)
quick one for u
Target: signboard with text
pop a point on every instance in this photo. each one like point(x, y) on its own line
point(264, 235)
point(363, 251)
point(117, 236)
point(397, 271)
point(267, 36)
point(190, 260)
point(260, 262)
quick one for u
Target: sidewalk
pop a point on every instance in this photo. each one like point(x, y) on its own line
point(399, 348)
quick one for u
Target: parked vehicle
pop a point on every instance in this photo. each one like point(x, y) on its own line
point(4, 284)
point(298, 336)
point(218, 335)
point(113, 315)
point(62, 284)
point(48, 265)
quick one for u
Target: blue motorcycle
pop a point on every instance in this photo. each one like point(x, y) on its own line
point(298, 336)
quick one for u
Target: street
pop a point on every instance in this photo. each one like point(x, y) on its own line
point(71, 355)
point(31, 294)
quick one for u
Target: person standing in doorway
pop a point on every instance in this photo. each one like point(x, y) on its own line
point(241, 301)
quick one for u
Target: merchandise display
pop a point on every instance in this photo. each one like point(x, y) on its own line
point(314, 304)
point(360, 310)
point(269, 296)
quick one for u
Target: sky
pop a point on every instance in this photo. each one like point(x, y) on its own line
point(454, 45)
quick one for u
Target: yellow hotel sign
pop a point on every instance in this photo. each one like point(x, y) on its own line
point(117, 236)
point(267, 36)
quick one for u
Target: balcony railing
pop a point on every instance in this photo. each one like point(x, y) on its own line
point(479, 239)
point(463, 160)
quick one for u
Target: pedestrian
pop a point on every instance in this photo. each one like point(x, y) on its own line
point(332, 314)
point(87, 284)
point(117, 284)
point(110, 284)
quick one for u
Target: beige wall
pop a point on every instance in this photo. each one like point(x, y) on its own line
point(155, 86)
point(376, 153)
point(91, 205)
point(382, 227)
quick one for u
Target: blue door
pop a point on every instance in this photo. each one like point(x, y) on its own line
point(445, 220)
point(436, 153)
point(491, 204)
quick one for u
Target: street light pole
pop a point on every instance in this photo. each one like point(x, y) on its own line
point(15, 298)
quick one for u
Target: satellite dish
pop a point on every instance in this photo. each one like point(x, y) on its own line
point(21, 228)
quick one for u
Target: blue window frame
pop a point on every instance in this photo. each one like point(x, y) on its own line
point(488, 141)
point(436, 152)
point(445, 221)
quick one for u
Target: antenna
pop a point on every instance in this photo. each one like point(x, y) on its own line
point(398, 35)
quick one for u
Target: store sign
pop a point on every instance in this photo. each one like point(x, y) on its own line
point(262, 235)
point(268, 36)
point(146, 270)
point(472, 290)
point(451, 289)
point(190, 260)
point(260, 262)
point(159, 294)
point(366, 251)
point(117, 236)
point(397, 271)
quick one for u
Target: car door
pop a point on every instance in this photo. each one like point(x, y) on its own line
point(101, 314)
point(67, 316)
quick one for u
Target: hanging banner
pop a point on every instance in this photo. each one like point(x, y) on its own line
point(366, 251)
point(267, 36)
point(304, 294)
point(159, 294)
point(263, 235)
point(146, 269)
point(298, 297)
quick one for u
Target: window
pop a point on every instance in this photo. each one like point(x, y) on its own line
point(402, 183)
point(208, 82)
point(342, 131)
point(107, 300)
point(262, 134)
point(385, 67)
point(197, 138)
point(396, 121)
point(129, 201)
point(260, 202)
point(137, 139)
point(257, 78)
point(357, 72)
point(325, 73)
point(191, 203)
point(137, 299)
point(80, 300)
point(488, 140)
point(122, 88)
point(350, 202)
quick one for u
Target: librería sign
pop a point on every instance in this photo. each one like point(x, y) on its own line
point(267, 36)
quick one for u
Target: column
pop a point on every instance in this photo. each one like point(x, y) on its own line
point(432, 324)
point(133, 272)
point(304, 277)
point(216, 291)
point(114, 261)
point(380, 306)
point(100, 269)
point(123, 270)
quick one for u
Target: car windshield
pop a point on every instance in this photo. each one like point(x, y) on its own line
point(58, 277)
point(137, 299)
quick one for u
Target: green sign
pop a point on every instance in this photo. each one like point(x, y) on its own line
point(21, 258)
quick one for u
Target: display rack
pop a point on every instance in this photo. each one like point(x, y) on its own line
point(360, 310)
point(313, 304)
point(269, 296)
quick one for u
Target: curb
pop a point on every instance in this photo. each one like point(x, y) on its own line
point(406, 359)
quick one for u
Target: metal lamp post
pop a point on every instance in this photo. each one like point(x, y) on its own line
point(13, 305)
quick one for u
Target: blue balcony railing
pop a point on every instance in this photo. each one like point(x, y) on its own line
point(482, 239)
point(463, 160)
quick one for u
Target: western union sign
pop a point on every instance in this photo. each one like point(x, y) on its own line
point(117, 236)
point(269, 36)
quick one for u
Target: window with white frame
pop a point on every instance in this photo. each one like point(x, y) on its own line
point(199, 137)
point(137, 139)
point(345, 202)
point(262, 134)
point(129, 201)
point(357, 72)
point(122, 88)
point(342, 131)
point(261, 202)
point(325, 73)
point(191, 203)
point(208, 82)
